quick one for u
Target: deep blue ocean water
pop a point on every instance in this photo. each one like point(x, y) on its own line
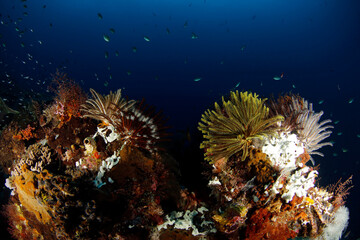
point(182, 56)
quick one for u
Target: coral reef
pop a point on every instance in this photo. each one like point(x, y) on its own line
point(270, 192)
point(70, 180)
point(94, 169)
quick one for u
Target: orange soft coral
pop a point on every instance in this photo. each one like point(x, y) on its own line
point(25, 134)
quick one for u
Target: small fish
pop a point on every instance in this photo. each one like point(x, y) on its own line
point(351, 100)
point(276, 78)
point(243, 48)
point(336, 122)
point(293, 86)
point(100, 16)
point(25, 14)
point(17, 29)
point(112, 30)
point(40, 42)
point(321, 101)
point(106, 54)
point(335, 154)
point(194, 36)
point(167, 30)
point(185, 24)
point(106, 83)
point(106, 38)
point(128, 73)
point(44, 6)
point(197, 79)
point(50, 24)
point(339, 133)
point(237, 84)
point(147, 39)
point(25, 6)
point(116, 53)
point(358, 135)
point(22, 44)
point(222, 62)
point(344, 150)
point(134, 49)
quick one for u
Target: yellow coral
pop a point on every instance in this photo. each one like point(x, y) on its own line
point(231, 128)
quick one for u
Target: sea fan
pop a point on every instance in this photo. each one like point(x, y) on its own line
point(231, 128)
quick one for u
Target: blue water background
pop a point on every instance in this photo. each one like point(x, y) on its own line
point(239, 44)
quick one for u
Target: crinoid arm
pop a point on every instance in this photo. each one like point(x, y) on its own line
point(100, 107)
point(141, 126)
point(230, 128)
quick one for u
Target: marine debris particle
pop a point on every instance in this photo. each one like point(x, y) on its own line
point(197, 79)
point(147, 39)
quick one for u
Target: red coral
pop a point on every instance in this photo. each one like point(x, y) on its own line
point(69, 97)
point(25, 134)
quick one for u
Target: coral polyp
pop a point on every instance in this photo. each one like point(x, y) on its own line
point(231, 128)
